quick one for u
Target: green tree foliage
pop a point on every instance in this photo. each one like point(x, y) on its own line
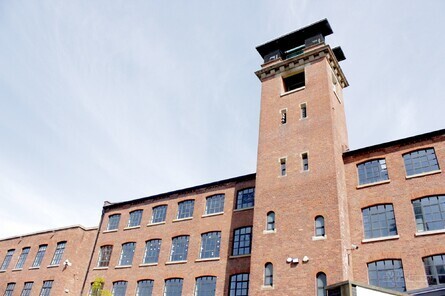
point(97, 288)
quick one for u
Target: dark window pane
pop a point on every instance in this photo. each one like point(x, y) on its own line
point(145, 288)
point(135, 218)
point(104, 256)
point(372, 171)
point(420, 161)
point(379, 221)
point(113, 222)
point(39, 256)
point(435, 269)
point(294, 81)
point(245, 198)
point(205, 286)
point(210, 244)
point(22, 258)
point(159, 213)
point(387, 274)
point(242, 238)
point(152, 249)
point(119, 288)
point(46, 288)
point(239, 284)
point(127, 254)
point(173, 287)
point(179, 250)
point(185, 209)
point(7, 259)
point(58, 253)
point(9, 289)
point(215, 204)
point(429, 213)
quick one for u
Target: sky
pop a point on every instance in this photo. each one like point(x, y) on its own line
point(117, 100)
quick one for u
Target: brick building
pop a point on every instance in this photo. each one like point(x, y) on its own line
point(316, 218)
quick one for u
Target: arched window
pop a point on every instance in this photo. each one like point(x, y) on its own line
point(319, 226)
point(270, 221)
point(268, 274)
point(321, 284)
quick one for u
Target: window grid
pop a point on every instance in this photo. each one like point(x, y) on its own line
point(145, 288)
point(372, 171)
point(245, 198)
point(39, 256)
point(58, 253)
point(430, 213)
point(283, 116)
point(205, 286)
point(46, 288)
point(387, 274)
point(283, 166)
point(379, 221)
point(113, 221)
point(179, 250)
point(319, 226)
point(305, 161)
point(270, 221)
point(22, 258)
point(210, 244)
point(152, 249)
point(173, 287)
point(27, 289)
point(321, 284)
point(435, 269)
point(135, 218)
point(159, 213)
point(7, 259)
point(9, 289)
point(239, 284)
point(303, 111)
point(268, 274)
point(119, 288)
point(215, 204)
point(185, 209)
point(104, 256)
point(420, 161)
point(242, 238)
point(127, 254)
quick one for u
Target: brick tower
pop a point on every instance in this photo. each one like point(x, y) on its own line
point(300, 229)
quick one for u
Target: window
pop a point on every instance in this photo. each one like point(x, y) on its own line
point(180, 247)
point(119, 288)
point(435, 269)
point(27, 289)
point(387, 274)
point(96, 288)
point(46, 288)
point(127, 254)
point(303, 111)
point(379, 221)
point(173, 287)
point(159, 213)
point(104, 256)
point(242, 238)
point(185, 209)
point(420, 161)
point(293, 82)
point(270, 221)
point(152, 249)
point(205, 286)
point(145, 288)
point(7, 259)
point(22, 258)
point(113, 221)
point(283, 166)
point(39, 256)
point(319, 226)
point(210, 243)
point(245, 198)
point(305, 161)
point(268, 274)
point(372, 171)
point(239, 284)
point(9, 289)
point(430, 213)
point(283, 116)
point(58, 253)
point(215, 204)
point(321, 284)
point(135, 218)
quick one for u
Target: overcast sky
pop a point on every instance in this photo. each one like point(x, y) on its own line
point(116, 100)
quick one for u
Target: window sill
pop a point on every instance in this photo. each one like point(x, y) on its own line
point(17, 269)
point(243, 209)
point(34, 267)
point(175, 262)
point(2, 271)
point(423, 174)
point(239, 256)
point(373, 184)
point(122, 266)
point(132, 227)
point(157, 223)
point(100, 268)
point(207, 259)
point(378, 239)
point(292, 91)
point(111, 230)
point(269, 231)
point(211, 215)
point(305, 171)
point(148, 264)
point(321, 237)
point(430, 232)
point(182, 219)
point(53, 266)
point(267, 287)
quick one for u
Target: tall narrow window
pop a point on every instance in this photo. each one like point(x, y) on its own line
point(283, 116)
point(159, 214)
point(387, 274)
point(239, 284)
point(420, 161)
point(268, 274)
point(113, 221)
point(9, 289)
point(145, 288)
point(305, 161)
point(270, 221)
point(283, 166)
point(135, 218)
point(127, 254)
point(321, 284)
point(173, 287)
point(152, 249)
point(104, 256)
point(303, 111)
point(293, 82)
point(372, 171)
point(210, 244)
point(46, 288)
point(185, 209)
point(27, 289)
point(205, 286)
point(435, 269)
point(319, 226)
point(39, 256)
point(430, 213)
point(215, 204)
point(22, 258)
point(58, 253)
point(379, 221)
point(180, 246)
point(242, 238)
point(7, 259)
point(119, 288)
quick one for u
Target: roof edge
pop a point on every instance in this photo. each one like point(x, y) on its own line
point(50, 230)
